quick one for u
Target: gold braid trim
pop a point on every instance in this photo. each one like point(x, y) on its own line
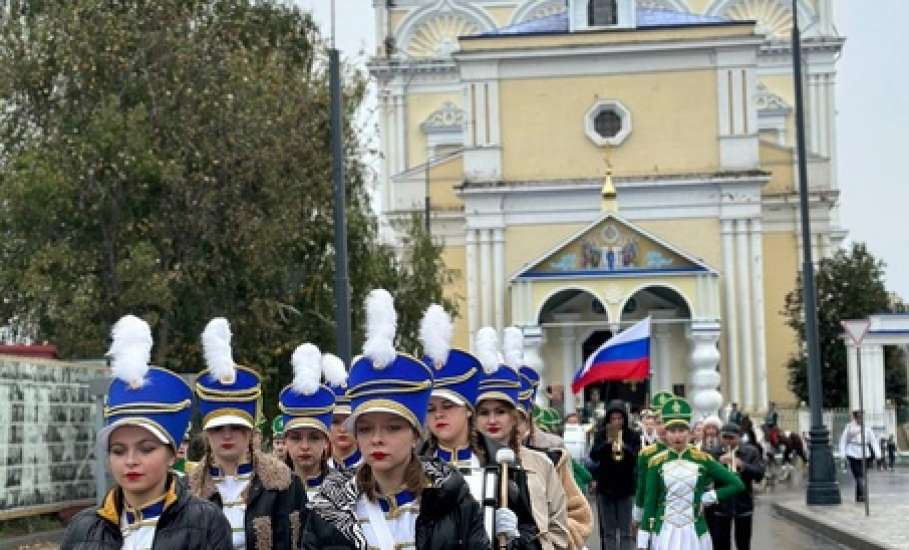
point(262, 527)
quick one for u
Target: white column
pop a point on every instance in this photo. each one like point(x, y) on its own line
point(384, 136)
point(569, 343)
point(757, 313)
point(486, 277)
point(746, 336)
point(704, 379)
point(473, 296)
point(830, 86)
point(498, 265)
point(730, 322)
point(662, 369)
point(400, 134)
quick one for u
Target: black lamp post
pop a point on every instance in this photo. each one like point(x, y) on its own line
point(822, 485)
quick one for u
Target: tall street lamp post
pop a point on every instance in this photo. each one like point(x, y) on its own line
point(342, 280)
point(822, 485)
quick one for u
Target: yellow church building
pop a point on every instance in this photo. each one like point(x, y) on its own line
point(589, 163)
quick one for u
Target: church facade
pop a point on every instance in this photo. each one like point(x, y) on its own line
point(589, 163)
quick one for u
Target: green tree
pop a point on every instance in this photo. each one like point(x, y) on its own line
point(850, 285)
point(170, 158)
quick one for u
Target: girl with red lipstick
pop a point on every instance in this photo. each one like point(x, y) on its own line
point(396, 499)
point(256, 492)
point(307, 407)
point(497, 417)
point(453, 436)
point(346, 455)
point(146, 415)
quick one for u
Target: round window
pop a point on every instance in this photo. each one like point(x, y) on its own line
point(607, 123)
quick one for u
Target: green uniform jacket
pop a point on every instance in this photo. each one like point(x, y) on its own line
point(640, 472)
point(709, 472)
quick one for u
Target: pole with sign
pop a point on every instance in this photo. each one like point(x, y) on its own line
point(855, 332)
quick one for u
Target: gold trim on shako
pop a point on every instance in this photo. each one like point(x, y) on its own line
point(298, 423)
point(391, 388)
point(305, 411)
point(141, 422)
point(227, 412)
point(449, 380)
point(147, 408)
point(236, 393)
point(497, 395)
point(388, 405)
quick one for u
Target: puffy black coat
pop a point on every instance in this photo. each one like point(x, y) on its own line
point(742, 504)
point(518, 494)
point(272, 518)
point(449, 519)
point(187, 524)
point(615, 478)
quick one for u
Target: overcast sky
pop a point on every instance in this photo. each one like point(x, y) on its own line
point(872, 122)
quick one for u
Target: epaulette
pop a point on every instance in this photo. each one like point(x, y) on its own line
point(698, 454)
point(650, 449)
point(658, 458)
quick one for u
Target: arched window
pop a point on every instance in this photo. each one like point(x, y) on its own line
point(602, 13)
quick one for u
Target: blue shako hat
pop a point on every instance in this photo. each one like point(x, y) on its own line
point(140, 395)
point(383, 380)
point(531, 378)
point(457, 373)
point(228, 393)
point(499, 381)
point(305, 403)
point(336, 379)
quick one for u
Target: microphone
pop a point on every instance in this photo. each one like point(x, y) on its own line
point(505, 457)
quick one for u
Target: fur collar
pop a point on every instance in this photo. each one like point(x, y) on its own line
point(271, 473)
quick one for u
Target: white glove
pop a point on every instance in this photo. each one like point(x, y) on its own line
point(636, 513)
point(709, 498)
point(643, 539)
point(507, 523)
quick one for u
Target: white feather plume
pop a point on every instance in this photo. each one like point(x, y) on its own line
point(513, 347)
point(307, 363)
point(381, 324)
point(216, 349)
point(487, 346)
point(130, 350)
point(435, 333)
point(334, 370)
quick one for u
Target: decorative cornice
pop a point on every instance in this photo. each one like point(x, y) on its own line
point(448, 118)
point(765, 100)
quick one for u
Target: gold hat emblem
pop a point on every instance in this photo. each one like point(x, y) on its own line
point(676, 407)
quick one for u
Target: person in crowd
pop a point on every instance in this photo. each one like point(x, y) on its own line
point(746, 462)
point(678, 484)
point(256, 492)
point(697, 434)
point(572, 418)
point(851, 448)
point(592, 407)
point(146, 417)
point(735, 415)
point(578, 511)
point(278, 448)
point(642, 464)
point(346, 455)
point(711, 440)
point(615, 449)
point(891, 452)
point(183, 465)
point(498, 401)
point(306, 406)
point(451, 421)
point(648, 428)
point(395, 499)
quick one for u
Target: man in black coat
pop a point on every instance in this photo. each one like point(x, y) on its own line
point(615, 449)
point(746, 461)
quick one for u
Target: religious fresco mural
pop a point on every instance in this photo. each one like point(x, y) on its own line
point(612, 247)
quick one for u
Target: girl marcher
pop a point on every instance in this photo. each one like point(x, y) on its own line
point(255, 491)
point(146, 416)
point(346, 456)
point(451, 421)
point(307, 407)
point(678, 487)
point(396, 500)
point(498, 400)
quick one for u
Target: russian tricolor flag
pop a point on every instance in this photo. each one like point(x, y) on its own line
point(625, 356)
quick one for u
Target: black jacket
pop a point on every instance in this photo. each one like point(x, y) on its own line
point(752, 471)
point(272, 517)
point(614, 478)
point(518, 493)
point(450, 519)
point(188, 523)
